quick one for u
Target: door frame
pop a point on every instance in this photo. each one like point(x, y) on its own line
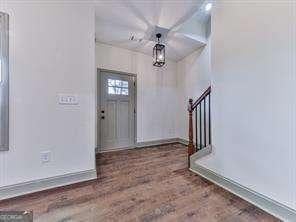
point(98, 102)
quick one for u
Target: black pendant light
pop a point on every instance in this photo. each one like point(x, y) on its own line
point(159, 53)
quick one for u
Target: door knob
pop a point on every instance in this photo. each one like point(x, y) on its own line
point(102, 117)
point(103, 111)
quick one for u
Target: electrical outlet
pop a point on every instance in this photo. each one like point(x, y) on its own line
point(45, 156)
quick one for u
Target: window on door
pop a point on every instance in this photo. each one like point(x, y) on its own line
point(117, 87)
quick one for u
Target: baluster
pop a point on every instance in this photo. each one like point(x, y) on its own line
point(205, 123)
point(200, 129)
point(196, 137)
point(210, 135)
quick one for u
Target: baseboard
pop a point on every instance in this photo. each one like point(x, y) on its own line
point(116, 149)
point(145, 144)
point(185, 142)
point(182, 141)
point(271, 206)
point(201, 153)
point(45, 184)
point(157, 142)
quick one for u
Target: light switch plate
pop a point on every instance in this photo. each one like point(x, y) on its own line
point(68, 99)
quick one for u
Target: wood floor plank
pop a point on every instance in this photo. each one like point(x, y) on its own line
point(147, 184)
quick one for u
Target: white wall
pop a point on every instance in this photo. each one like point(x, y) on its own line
point(193, 79)
point(253, 96)
point(51, 51)
point(156, 90)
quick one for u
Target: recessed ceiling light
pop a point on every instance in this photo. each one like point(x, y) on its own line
point(208, 7)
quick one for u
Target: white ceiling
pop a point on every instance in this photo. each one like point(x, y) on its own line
point(118, 20)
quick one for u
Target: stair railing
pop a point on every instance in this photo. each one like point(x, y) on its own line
point(202, 127)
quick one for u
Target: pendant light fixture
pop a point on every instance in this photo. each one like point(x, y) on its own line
point(158, 53)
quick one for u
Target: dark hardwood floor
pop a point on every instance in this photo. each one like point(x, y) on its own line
point(148, 184)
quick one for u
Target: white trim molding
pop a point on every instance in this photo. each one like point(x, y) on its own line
point(157, 142)
point(201, 153)
point(145, 144)
point(271, 206)
point(115, 149)
point(183, 141)
point(45, 184)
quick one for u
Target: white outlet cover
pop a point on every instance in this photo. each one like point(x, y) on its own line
point(68, 99)
point(45, 156)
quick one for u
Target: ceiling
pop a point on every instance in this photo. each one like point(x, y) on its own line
point(132, 24)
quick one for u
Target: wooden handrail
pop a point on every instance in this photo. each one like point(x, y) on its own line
point(201, 98)
point(193, 107)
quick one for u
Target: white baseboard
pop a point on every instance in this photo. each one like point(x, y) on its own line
point(116, 149)
point(183, 141)
point(145, 144)
point(201, 153)
point(157, 142)
point(271, 206)
point(44, 184)
point(186, 142)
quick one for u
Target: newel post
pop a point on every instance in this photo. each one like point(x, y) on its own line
point(190, 132)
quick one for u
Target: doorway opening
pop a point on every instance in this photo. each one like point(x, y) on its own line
point(116, 110)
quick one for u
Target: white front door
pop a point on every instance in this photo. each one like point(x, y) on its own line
point(117, 111)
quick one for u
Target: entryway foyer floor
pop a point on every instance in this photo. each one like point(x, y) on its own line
point(148, 184)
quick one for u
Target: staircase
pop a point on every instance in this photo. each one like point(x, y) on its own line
point(200, 138)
